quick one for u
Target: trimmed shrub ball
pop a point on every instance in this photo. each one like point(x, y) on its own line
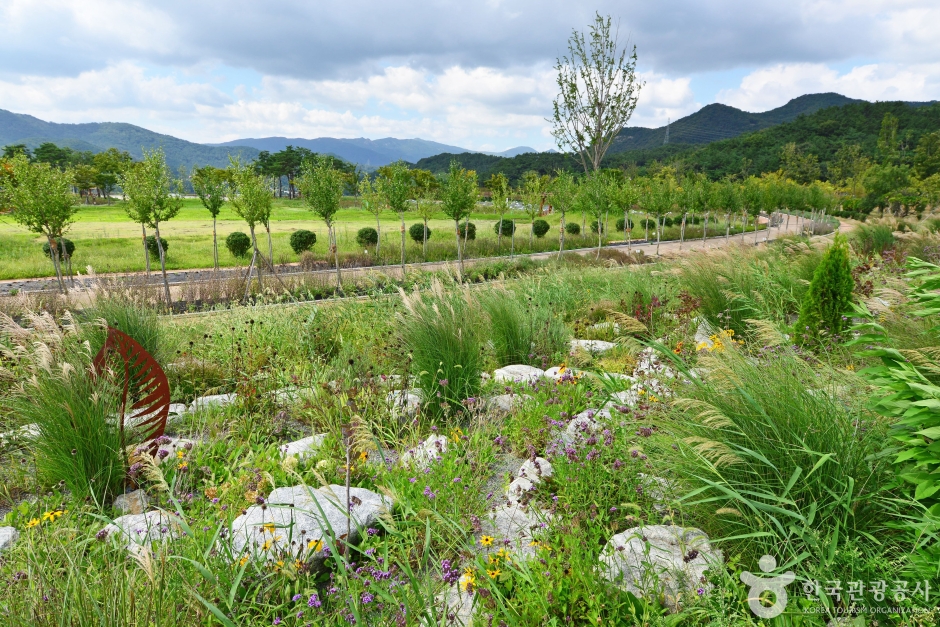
point(471, 230)
point(64, 243)
point(667, 221)
point(540, 228)
point(238, 244)
point(620, 225)
point(419, 233)
point(302, 240)
point(508, 227)
point(695, 220)
point(152, 246)
point(573, 228)
point(367, 236)
point(594, 226)
point(648, 223)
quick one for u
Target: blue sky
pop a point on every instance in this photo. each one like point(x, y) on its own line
point(477, 75)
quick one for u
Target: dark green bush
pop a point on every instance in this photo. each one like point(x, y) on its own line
point(419, 233)
point(470, 228)
point(64, 243)
point(621, 223)
point(152, 246)
point(367, 236)
point(238, 244)
point(668, 221)
point(827, 301)
point(594, 226)
point(508, 227)
point(573, 228)
point(540, 228)
point(695, 220)
point(302, 240)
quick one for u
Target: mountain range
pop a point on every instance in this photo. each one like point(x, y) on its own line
point(711, 123)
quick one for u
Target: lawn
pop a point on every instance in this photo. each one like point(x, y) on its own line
point(108, 241)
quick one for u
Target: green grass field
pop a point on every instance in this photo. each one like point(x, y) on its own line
point(107, 240)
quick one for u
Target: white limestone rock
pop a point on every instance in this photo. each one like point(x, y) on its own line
point(660, 560)
point(584, 424)
point(26, 433)
point(407, 401)
point(8, 535)
point(303, 448)
point(135, 502)
point(517, 490)
point(298, 522)
point(595, 347)
point(214, 400)
point(518, 373)
point(516, 523)
point(140, 530)
point(508, 402)
point(172, 445)
point(421, 456)
point(536, 470)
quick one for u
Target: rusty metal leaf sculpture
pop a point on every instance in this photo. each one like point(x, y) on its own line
point(143, 379)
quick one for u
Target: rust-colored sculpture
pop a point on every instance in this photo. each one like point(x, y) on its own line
point(145, 378)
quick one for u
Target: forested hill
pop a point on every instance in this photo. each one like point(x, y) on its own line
point(821, 133)
point(715, 122)
point(18, 128)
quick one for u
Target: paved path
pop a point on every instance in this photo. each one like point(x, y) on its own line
point(179, 278)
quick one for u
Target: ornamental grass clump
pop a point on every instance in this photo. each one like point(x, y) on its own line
point(778, 454)
point(78, 439)
point(522, 334)
point(445, 346)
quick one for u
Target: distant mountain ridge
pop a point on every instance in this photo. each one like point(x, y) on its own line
point(366, 152)
point(19, 128)
point(716, 122)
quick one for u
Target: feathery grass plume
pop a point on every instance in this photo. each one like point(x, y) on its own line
point(766, 333)
point(627, 324)
point(148, 468)
point(788, 444)
point(441, 332)
point(120, 311)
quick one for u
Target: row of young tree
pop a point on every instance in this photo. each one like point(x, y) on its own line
point(92, 174)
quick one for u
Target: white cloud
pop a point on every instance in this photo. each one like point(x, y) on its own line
point(773, 86)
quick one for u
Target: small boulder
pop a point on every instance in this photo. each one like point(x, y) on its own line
point(408, 401)
point(661, 560)
point(172, 445)
point(298, 521)
point(595, 347)
point(584, 424)
point(519, 487)
point(508, 402)
point(214, 400)
point(536, 470)
point(422, 455)
point(135, 502)
point(303, 448)
point(8, 535)
point(518, 373)
point(139, 530)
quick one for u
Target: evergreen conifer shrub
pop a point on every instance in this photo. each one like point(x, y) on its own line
point(829, 296)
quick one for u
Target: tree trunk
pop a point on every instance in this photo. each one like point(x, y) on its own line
point(424, 242)
point(54, 253)
point(267, 228)
point(459, 255)
point(659, 232)
point(254, 244)
point(600, 235)
point(215, 244)
point(646, 223)
point(682, 232)
point(166, 282)
point(378, 241)
point(466, 234)
point(531, 233)
point(512, 241)
point(251, 266)
point(743, 225)
point(143, 240)
point(402, 216)
point(727, 226)
point(561, 235)
point(499, 237)
point(335, 247)
point(755, 229)
point(704, 229)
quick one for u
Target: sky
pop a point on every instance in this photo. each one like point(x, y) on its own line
point(477, 74)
